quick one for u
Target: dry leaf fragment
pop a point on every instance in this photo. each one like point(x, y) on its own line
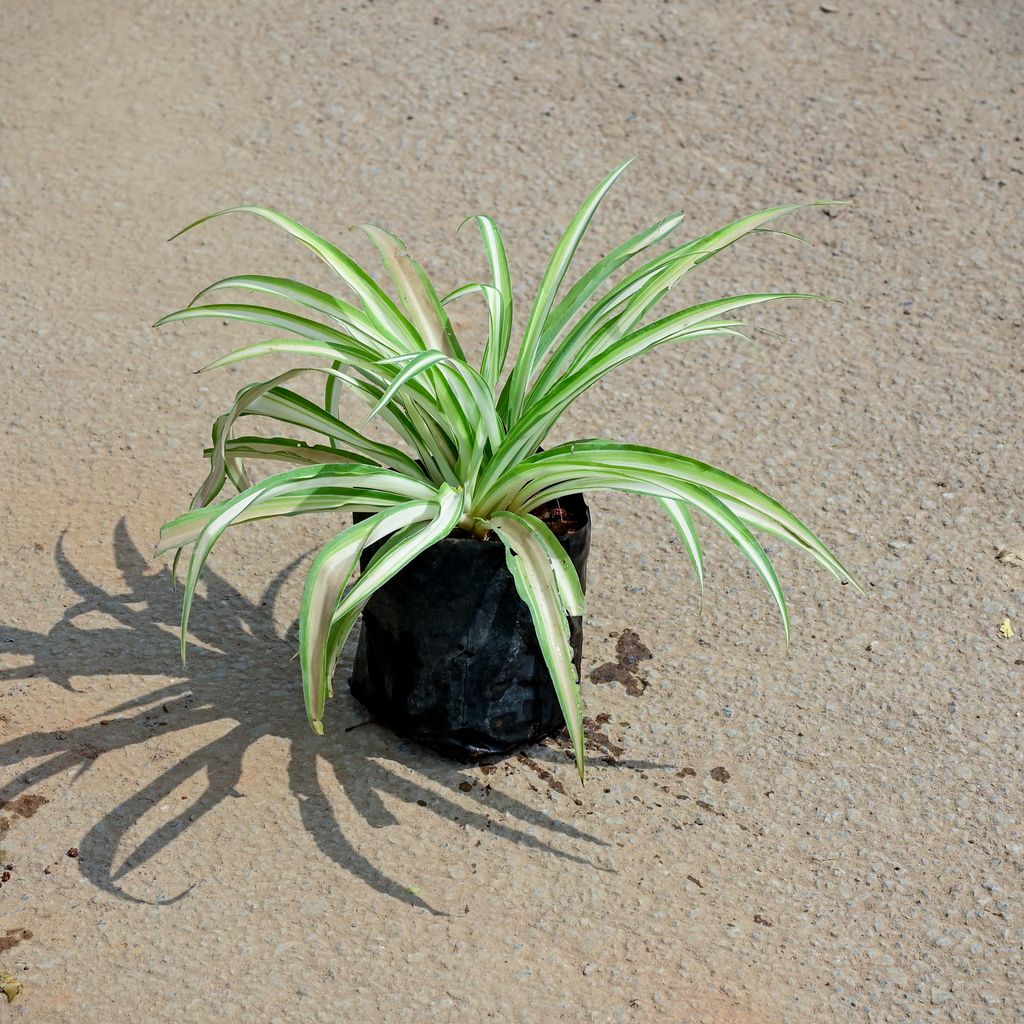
point(1008, 556)
point(1006, 629)
point(10, 986)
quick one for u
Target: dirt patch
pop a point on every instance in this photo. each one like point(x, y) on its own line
point(13, 937)
point(25, 805)
point(542, 773)
point(630, 650)
point(599, 740)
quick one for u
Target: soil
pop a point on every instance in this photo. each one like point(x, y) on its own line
point(12, 938)
point(25, 806)
point(829, 831)
point(630, 650)
point(559, 519)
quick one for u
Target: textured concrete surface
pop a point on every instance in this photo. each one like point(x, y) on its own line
point(831, 833)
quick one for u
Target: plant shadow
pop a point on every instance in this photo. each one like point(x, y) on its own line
point(134, 632)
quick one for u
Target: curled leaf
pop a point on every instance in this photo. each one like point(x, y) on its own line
point(10, 986)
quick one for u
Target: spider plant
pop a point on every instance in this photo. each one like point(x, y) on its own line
point(470, 454)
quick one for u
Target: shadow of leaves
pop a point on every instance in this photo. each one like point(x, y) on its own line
point(138, 637)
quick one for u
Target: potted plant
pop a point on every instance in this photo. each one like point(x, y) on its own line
point(470, 537)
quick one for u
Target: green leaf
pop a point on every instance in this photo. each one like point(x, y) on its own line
point(396, 553)
point(276, 319)
point(631, 299)
point(500, 334)
point(567, 580)
point(409, 422)
point(415, 291)
point(601, 271)
point(287, 449)
point(301, 494)
point(415, 540)
point(354, 320)
point(382, 310)
point(494, 356)
point(413, 366)
point(637, 480)
point(423, 436)
point(545, 583)
point(288, 407)
point(268, 398)
point(682, 520)
point(530, 431)
point(558, 472)
point(530, 352)
point(304, 479)
point(182, 531)
point(220, 463)
point(328, 576)
point(474, 397)
point(291, 347)
point(606, 352)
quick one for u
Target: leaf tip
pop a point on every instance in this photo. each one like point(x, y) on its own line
point(852, 581)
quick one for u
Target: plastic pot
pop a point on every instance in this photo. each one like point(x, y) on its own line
point(448, 655)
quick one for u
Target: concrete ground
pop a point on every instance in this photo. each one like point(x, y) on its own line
point(828, 833)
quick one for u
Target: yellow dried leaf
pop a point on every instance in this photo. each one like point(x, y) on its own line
point(1006, 629)
point(10, 986)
